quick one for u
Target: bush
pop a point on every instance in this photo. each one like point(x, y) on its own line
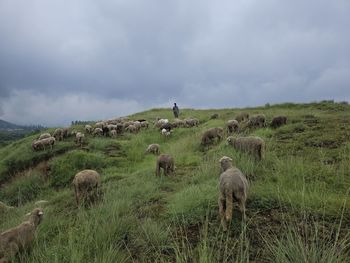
point(23, 189)
point(64, 168)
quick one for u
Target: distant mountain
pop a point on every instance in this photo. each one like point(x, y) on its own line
point(8, 126)
point(5, 125)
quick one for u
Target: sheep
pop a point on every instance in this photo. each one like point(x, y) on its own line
point(165, 132)
point(37, 144)
point(88, 129)
point(160, 122)
point(44, 135)
point(21, 237)
point(252, 145)
point(153, 148)
point(131, 128)
point(232, 126)
point(100, 124)
point(242, 116)
point(138, 126)
point(192, 122)
point(166, 162)
point(233, 185)
point(212, 133)
point(97, 131)
point(58, 134)
point(178, 123)
point(168, 126)
point(65, 132)
point(144, 124)
point(79, 138)
point(86, 186)
point(113, 133)
point(257, 120)
point(278, 121)
point(214, 116)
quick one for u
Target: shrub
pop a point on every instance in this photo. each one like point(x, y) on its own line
point(65, 167)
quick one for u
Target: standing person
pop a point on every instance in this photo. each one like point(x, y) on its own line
point(176, 110)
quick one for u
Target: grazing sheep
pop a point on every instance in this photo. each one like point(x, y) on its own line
point(252, 145)
point(100, 124)
point(86, 186)
point(167, 126)
point(144, 124)
point(233, 185)
point(257, 120)
point(212, 133)
point(88, 129)
point(131, 128)
point(166, 162)
point(19, 238)
point(242, 116)
point(278, 121)
point(97, 131)
point(192, 122)
point(65, 132)
point(153, 148)
point(38, 144)
point(44, 135)
point(113, 133)
point(165, 132)
point(214, 116)
point(58, 134)
point(232, 126)
point(79, 138)
point(179, 123)
point(160, 122)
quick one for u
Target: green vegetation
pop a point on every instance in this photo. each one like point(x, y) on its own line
point(297, 209)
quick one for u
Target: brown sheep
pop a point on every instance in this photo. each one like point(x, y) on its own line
point(233, 185)
point(166, 162)
point(40, 144)
point(192, 122)
point(252, 145)
point(232, 126)
point(19, 238)
point(65, 132)
point(278, 121)
point(257, 120)
point(86, 186)
point(212, 133)
point(242, 116)
point(153, 148)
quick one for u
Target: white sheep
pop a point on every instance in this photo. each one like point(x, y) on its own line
point(233, 185)
point(44, 135)
point(21, 237)
point(79, 138)
point(88, 129)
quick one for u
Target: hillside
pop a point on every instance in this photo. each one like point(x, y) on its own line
point(297, 208)
point(10, 131)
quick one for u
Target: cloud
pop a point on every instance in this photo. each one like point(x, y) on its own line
point(154, 52)
point(27, 107)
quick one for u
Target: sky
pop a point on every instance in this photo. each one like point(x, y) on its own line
point(64, 60)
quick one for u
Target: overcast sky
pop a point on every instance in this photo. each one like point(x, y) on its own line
point(63, 60)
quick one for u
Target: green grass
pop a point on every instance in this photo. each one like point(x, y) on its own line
point(297, 208)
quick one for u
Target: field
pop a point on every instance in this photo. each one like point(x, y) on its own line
point(297, 209)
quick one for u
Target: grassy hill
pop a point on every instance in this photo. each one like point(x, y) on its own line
point(297, 209)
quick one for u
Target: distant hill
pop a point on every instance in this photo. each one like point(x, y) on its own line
point(10, 131)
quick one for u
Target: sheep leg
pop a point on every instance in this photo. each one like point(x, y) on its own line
point(229, 206)
point(165, 170)
point(157, 169)
point(222, 204)
point(76, 195)
point(242, 209)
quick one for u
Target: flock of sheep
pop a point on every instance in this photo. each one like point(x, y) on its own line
point(233, 185)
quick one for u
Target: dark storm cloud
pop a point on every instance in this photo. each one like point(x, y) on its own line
point(132, 55)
